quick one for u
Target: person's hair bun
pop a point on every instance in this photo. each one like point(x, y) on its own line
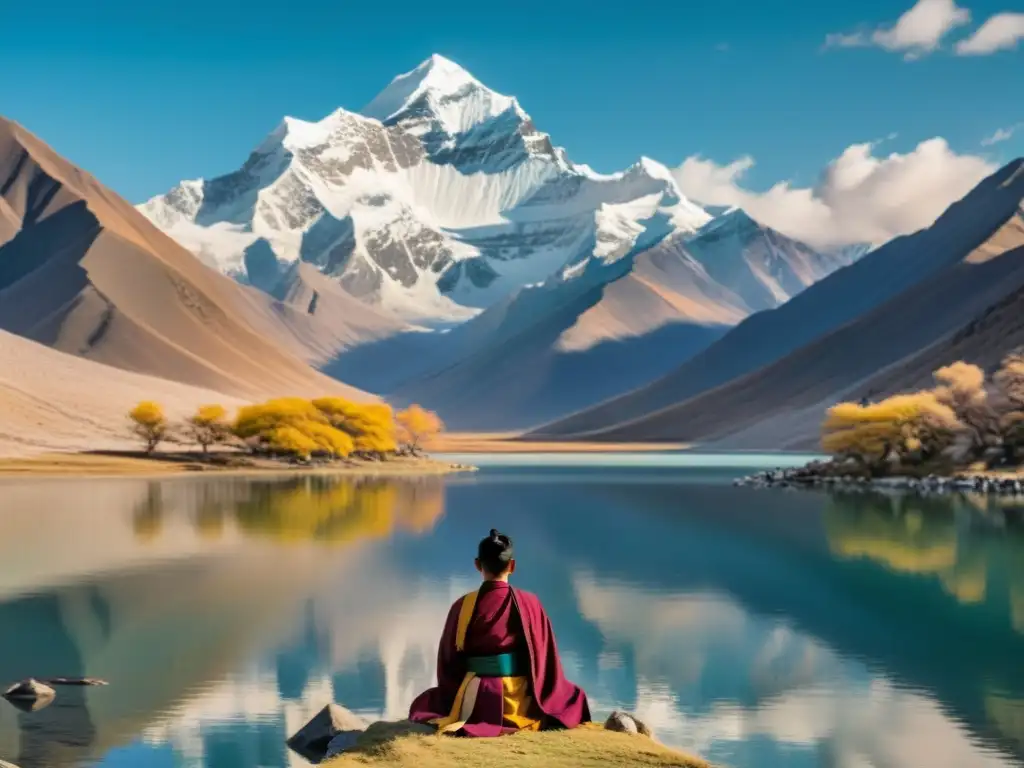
point(495, 552)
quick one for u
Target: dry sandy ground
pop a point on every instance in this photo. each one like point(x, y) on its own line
point(508, 442)
point(587, 747)
point(51, 401)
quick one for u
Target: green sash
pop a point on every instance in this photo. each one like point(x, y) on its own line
point(501, 665)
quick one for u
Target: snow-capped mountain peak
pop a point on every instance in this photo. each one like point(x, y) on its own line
point(439, 199)
point(655, 170)
point(443, 90)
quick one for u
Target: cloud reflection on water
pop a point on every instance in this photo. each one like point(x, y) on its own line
point(771, 695)
point(272, 598)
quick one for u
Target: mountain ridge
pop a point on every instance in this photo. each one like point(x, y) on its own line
point(84, 272)
point(436, 202)
point(817, 346)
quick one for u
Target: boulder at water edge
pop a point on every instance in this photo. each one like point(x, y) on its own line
point(623, 722)
point(312, 740)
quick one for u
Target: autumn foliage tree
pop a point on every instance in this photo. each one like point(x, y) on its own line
point(370, 425)
point(416, 425)
point(963, 419)
point(291, 425)
point(209, 425)
point(961, 387)
point(900, 428)
point(149, 424)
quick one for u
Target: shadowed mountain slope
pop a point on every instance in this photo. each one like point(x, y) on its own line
point(896, 301)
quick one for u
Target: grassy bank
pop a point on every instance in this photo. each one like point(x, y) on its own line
point(130, 464)
point(588, 747)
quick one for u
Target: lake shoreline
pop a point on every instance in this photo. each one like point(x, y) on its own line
point(990, 482)
point(511, 442)
point(104, 465)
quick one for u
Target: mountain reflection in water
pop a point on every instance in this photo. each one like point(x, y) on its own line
point(757, 628)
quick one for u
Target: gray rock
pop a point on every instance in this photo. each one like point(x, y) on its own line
point(29, 690)
point(5, 764)
point(621, 722)
point(343, 742)
point(313, 739)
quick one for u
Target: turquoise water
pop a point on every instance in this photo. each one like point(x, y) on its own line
point(758, 628)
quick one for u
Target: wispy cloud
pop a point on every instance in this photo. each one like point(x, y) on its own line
point(860, 197)
point(916, 33)
point(723, 47)
point(848, 40)
point(1000, 32)
point(1001, 135)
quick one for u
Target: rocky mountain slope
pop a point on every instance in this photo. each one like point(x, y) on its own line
point(569, 344)
point(880, 325)
point(84, 272)
point(439, 199)
point(441, 207)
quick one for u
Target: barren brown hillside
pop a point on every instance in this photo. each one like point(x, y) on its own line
point(51, 401)
point(85, 273)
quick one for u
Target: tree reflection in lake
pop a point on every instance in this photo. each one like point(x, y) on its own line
point(317, 508)
point(938, 537)
point(165, 626)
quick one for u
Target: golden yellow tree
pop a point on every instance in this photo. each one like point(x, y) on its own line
point(291, 425)
point(370, 425)
point(961, 387)
point(1009, 381)
point(209, 426)
point(416, 425)
point(149, 424)
point(329, 440)
point(913, 426)
point(288, 439)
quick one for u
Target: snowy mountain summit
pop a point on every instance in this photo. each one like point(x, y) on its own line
point(437, 200)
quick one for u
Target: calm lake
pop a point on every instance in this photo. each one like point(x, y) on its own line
point(757, 628)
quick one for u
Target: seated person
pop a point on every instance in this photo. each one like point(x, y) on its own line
point(498, 669)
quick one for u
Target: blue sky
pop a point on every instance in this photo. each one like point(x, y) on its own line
point(145, 94)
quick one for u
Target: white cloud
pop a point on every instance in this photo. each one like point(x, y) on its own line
point(847, 40)
point(916, 33)
point(859, 197)
point(1001, 32)
point(1001, 134)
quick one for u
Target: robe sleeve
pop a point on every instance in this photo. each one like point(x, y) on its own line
point(450, 666)
point(437, 702)
point(559, 699)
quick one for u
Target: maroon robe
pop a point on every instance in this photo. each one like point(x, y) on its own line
point(504, 620)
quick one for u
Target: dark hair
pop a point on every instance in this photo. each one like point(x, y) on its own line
point(495, 552)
